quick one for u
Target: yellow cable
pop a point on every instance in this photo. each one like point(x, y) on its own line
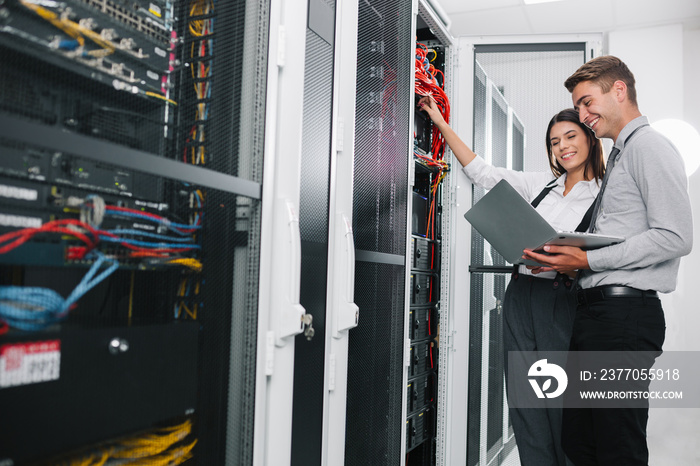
point(158, 96)
point(170, 457)
point(190, 262)
point(52, 17)
point(193, 315)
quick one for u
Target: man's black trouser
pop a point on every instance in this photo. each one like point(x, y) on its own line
point(612, 436)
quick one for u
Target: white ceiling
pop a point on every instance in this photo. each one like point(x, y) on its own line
point(506, 17)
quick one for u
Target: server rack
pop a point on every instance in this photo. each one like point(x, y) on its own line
point(429, 321)
point(130, 169)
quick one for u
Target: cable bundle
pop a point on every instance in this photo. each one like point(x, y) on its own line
point(164, 247)
point(161, 447)
point(427, 85)
point(75, 228)
point(188, 291)
point(94, 210)
point(34, 308)
point(201, 25)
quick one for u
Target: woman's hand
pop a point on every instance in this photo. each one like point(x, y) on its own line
point(535, 269)
point(429, 106)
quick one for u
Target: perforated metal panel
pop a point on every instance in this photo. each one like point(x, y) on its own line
point(241, 377)
point(375, 369)
point(381, 135)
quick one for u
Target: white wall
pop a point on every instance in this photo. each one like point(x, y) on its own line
point(666, 63)
point(655, 56)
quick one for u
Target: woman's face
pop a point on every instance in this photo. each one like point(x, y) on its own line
point(569, 145)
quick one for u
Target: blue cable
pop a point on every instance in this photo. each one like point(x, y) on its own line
point(172, 226)
point(35, 308)
point(68, 44)
point(147, 244)
point(127, 231)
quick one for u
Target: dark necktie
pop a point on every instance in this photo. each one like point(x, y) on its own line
point(612, 158)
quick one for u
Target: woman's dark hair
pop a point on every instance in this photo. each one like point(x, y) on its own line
point(594, 164)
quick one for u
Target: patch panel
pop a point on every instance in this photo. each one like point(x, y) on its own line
point(97, 40)
point(152, 18)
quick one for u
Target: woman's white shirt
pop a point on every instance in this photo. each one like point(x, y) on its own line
point(562, 212)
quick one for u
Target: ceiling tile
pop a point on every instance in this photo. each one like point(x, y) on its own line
point(490, 22)
point(504, 17)
point(571, 17)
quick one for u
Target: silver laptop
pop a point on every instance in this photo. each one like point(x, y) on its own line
point(510, 224)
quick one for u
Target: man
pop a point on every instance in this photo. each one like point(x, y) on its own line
point(645, 200)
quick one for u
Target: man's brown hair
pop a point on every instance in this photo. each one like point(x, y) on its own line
point(604, 71)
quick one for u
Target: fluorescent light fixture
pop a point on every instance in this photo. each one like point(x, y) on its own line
point(532, 2)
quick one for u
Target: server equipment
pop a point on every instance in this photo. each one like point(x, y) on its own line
point(430, 168)
point(129, 224)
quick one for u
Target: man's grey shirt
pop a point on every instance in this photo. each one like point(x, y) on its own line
point(646, 201)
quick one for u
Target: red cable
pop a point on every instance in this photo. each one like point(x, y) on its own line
point(427, 85)
point(20, 237)
point(55, 226)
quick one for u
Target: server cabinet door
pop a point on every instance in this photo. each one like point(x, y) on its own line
point(281, 315)
point(316, 172)
point(343, 313)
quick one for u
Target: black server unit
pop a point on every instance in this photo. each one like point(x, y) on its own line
point(380, 200)
point(129, 224)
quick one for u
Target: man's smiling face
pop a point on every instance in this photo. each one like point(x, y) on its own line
point(599, 111)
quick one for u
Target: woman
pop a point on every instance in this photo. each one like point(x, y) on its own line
point(538, 307)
